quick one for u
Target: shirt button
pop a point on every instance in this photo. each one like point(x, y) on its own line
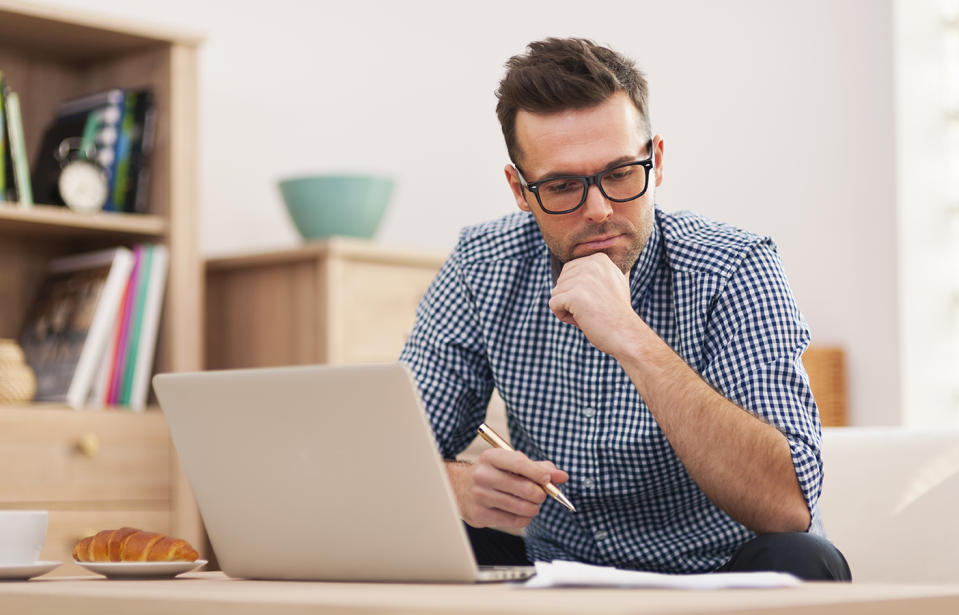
point(588, 482)
point(600, 535)
point(589, 412)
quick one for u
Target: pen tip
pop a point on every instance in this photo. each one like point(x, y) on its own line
point(562, 499)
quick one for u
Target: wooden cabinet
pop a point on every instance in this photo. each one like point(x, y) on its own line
point(92, 470)
point(333, 301)
point(101, 469)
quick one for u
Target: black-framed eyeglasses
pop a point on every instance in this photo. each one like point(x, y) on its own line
point(565, 194)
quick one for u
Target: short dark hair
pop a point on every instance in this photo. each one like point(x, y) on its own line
point(557, 74)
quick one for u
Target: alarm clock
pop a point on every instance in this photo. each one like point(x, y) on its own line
point(83, 184)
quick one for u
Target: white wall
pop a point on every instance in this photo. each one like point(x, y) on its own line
point(777, 116)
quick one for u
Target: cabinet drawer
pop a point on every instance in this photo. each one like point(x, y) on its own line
point(69, 526)
point(66, 456)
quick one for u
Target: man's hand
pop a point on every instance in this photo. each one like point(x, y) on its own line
point(503, 488)
point(593, 294)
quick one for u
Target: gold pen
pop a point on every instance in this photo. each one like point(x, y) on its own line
point(551, 490)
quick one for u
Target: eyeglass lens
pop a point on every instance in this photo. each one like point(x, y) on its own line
point(621, 183)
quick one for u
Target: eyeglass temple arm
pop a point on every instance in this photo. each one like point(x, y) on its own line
point(522, 180)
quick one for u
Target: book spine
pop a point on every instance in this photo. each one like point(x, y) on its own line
point(95, 399)
point(107, 142)
point(136, 328)
point(18, 147)
point(100, 327)
point(150, 328)
point(112, 358)
point(3, 141)
point(101, 395)
point(121, 177)
point(126, 311)
point(9, 192)
point(85, 104)
point(141, 148)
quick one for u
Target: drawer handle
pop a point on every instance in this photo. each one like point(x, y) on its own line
point(89, 445)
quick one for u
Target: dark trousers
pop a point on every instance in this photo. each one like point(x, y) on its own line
point(807, 556)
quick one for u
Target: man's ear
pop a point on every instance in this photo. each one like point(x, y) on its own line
point(658, 149)
point(512, 178)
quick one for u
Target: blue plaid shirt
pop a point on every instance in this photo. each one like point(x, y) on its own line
point(717, 295)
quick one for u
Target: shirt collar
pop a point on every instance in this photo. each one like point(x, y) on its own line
point(645, 266)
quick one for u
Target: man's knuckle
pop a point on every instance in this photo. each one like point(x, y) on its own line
point(484, 475)
point(475, 493)
point(533, 493)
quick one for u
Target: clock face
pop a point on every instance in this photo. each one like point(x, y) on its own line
point(83, 186)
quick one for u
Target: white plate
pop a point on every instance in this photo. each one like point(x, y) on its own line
point(22, 572)
point(141, 570)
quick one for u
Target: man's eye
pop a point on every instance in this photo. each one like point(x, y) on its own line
point(619, 174)
point(561, 187)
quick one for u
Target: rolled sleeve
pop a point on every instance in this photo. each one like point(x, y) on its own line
point(758, 364)
point(779, 393)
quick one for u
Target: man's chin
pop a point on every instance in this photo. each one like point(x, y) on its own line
point(622, 260)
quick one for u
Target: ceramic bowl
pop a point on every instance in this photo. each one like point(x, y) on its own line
point(322, 206)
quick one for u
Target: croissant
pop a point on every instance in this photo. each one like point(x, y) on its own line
point(129, 544)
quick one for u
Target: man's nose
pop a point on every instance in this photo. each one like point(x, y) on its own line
point(597, 207)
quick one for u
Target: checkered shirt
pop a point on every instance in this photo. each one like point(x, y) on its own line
point(716, 294)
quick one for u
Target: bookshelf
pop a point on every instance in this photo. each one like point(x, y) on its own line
point(100, 469)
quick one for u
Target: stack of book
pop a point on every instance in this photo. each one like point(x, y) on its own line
point(124, 123)
point(91, 335)
point(14, 168)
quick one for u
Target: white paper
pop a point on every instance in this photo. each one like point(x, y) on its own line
point(575, 574)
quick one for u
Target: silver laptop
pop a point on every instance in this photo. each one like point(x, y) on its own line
point(319, 473)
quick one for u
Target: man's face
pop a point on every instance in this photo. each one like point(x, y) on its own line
point(584, 142)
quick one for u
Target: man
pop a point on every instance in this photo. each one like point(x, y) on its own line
point(654, 358)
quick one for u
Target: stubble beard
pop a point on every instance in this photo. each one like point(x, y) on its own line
point(624, 259)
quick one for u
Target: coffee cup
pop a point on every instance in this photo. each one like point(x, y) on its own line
point(22, 533)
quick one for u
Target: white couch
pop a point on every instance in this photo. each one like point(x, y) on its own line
point(890, 499)
point(890, 502)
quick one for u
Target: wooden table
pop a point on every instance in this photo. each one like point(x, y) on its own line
point(213, 593)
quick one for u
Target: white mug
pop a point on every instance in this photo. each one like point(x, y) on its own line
point(22, 533)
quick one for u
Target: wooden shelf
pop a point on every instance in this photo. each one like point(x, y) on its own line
point(76, 37)
point(59, 222)
point(362, 250)
point(40, 406)
point(49, 55)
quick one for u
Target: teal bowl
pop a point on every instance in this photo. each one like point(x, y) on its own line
point(326, 205)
